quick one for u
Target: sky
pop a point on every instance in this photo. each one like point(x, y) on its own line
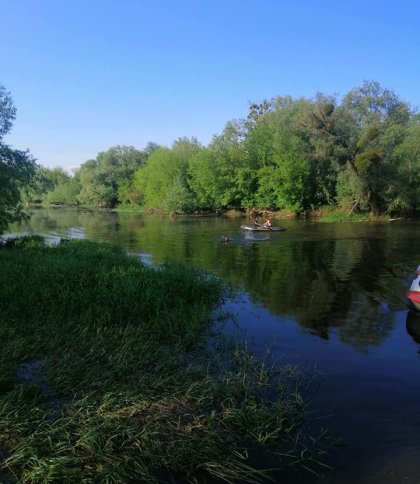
point(86, 75)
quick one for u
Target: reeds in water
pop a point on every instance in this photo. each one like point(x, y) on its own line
point(105, 376)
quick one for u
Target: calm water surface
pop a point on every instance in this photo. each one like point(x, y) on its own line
point(324, 295)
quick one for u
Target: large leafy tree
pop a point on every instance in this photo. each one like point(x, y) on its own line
point(407, 156)
point(234, 176)
point(16, 167)
point(204, 180)
point(108, 177)
point(65, 193)
point(320, 120)
point(44, 181)
point(164, 180)
point(379, 122)
point(279, 154)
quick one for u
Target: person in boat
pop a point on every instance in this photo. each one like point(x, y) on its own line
point(254, 216)
point(267, 222)
point(414, 291)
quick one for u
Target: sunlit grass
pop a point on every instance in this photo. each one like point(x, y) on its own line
point(105, 375)
point(334, 214)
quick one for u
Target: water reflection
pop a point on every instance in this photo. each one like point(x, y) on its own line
point(369, 325)
point(413, 325)
point(250, 237)
point(341, 279)
point(330, 295)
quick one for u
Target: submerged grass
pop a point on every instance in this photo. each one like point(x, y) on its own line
point(105, 376)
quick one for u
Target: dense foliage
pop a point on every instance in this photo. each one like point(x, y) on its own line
point(16, 167)
point(360, 154)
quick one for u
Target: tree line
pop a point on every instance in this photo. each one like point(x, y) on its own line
point(360, 154)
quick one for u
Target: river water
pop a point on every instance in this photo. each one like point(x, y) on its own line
point(330, 296)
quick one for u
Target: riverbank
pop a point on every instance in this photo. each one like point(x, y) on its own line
point(323, 214)
point(106, 375)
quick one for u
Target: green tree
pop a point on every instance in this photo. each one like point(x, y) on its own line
point(16, 167)
point(65, 193)
point(164, 180)
point(204, 180)
point(234, 176)
point(279, 155)
point(407, 155)
point(380, 120)
point(321, 122)
point(105, 179)
point(44, 181)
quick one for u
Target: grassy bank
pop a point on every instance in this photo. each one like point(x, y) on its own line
point(335, 214)
point(105, 376)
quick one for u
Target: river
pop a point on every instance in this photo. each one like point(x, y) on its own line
point(330, 296)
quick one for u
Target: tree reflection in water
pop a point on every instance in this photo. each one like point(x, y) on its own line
point(413, 326)
point(348, 278)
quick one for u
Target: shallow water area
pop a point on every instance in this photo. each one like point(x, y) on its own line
point(324, 296)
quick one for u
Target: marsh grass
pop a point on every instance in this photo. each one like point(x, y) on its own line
point(105, 376)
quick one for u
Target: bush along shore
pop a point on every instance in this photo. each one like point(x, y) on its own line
point(106, 376)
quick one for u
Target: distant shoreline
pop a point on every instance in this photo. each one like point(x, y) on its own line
point(327, 216)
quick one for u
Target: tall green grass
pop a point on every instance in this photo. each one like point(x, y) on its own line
point(105, 376)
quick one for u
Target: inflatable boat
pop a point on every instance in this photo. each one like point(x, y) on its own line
point(414, 292)
point(258, 228)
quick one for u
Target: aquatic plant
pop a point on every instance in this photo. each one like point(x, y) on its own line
point(106, 376)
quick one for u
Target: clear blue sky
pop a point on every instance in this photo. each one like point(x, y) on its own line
point(89, 74)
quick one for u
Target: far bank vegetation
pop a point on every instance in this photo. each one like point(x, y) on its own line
point(294, 156)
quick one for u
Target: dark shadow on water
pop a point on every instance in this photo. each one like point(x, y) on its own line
point(413, 325)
